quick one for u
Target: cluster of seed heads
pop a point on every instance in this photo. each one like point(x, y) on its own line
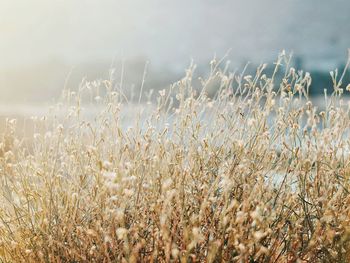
point(257, 172)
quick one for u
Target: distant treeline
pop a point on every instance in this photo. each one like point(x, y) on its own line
point(43, 82)
point(321, 79)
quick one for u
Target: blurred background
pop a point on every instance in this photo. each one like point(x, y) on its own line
point(46, 45)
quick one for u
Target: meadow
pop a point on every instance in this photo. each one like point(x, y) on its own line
point(256, 172)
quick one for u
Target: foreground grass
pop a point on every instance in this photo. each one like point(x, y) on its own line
point(255, 174)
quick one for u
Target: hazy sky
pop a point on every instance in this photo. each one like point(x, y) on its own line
point(167, 31)
point(41, 40)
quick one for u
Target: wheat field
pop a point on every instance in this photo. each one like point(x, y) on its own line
point(254, 173)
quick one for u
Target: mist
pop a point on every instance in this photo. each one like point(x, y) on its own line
point(46, 45)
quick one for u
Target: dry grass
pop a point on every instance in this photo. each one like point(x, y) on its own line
point(255, 174)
